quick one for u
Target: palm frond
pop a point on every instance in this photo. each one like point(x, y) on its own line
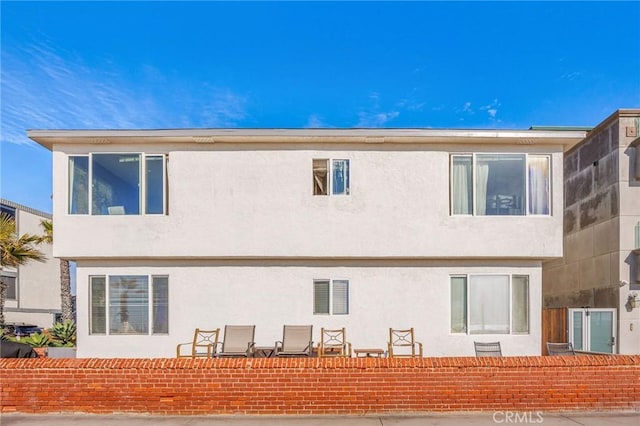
point(17, 250)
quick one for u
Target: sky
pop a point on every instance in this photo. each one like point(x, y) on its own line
point(157, 65)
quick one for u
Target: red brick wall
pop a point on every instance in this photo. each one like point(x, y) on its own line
point(320, 386)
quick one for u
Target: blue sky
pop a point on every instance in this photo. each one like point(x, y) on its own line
point(111, 65)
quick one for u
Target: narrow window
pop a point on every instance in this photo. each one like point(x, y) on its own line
point(154, 184)
point(340, 177)
point(321, 297)
point(98, 305)
point(128, 304)
point(520, 303)
point(500, 183)
point(78, 185)
point(320, 177)
point(458, 304)
point(115, 184)
point(461, 185)
point(160, 305)
point(11, 287)
point(340, 297)
point(489, 304)
point(539, 184)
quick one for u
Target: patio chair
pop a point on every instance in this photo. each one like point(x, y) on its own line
point(334, 343)
point(238, 341)
point(560, 349)
point(297, 340)
point(402, 344)
point(488, 348)
point(203, 345)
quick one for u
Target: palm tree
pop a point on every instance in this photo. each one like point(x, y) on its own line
point(15, 251)
point(65, 277)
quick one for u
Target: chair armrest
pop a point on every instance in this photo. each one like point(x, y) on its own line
point(250, 348)
point(278, 346)
point(390, 347)
point(419, 348)
point(178, 348)
point(347, 347)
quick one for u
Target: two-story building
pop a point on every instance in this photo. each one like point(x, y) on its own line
point(441, 230)
point(33, 289)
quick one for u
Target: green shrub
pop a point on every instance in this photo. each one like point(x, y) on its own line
point(63, 334)
point(37, 340)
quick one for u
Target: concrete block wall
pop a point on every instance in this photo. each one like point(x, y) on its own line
point(313, 386)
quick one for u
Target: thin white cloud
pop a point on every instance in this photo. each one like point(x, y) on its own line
point(376, 119)
point(491, 109)
point(315, 121)
point(373, 116)
point(46, 89)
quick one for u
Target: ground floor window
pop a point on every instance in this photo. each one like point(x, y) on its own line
point(330, 297)
point(129, 304)
point(490, 304)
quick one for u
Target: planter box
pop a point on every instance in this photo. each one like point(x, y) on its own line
point(63, 352)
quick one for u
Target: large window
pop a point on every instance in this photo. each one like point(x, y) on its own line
point(128, 184)
point(129, 304)
point(330, 297)
point(332, 174)
point(490, 304)
point(500, 184)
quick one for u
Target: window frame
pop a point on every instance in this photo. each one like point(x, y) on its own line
point(8, 274)
point(331, 295)
point(527, 184)
point(330, 180)
point(106, 307)
point(511, 313)
point(142, 183)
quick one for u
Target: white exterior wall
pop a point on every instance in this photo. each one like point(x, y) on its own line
point(38, 282)
point(253, 202)
point(244, 238)
point(269, 294)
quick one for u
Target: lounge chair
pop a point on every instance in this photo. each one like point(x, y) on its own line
point(333, 343)
point(238, 341)
point(488, 349)
point(402, 344)
point(560, 349)
point(297, 340)
point(204, 344)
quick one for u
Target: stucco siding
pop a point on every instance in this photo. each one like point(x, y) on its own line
point(270, 294)
point(230, 202)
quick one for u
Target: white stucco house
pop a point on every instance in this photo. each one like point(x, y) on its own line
point(33, 289)
point(441, 230)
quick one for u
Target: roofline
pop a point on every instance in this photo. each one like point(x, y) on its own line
point(48, 138)
point(25, 208)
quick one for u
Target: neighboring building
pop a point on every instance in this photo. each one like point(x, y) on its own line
point(441, 230)
point(599, 275)
point(33, 289)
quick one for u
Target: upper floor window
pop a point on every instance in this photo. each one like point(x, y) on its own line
point(500, 184)
point(335, 177)
point(11, 291)
point(331, 297)
point(110, 184)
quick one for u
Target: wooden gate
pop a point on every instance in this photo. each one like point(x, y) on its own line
point(554, 327)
